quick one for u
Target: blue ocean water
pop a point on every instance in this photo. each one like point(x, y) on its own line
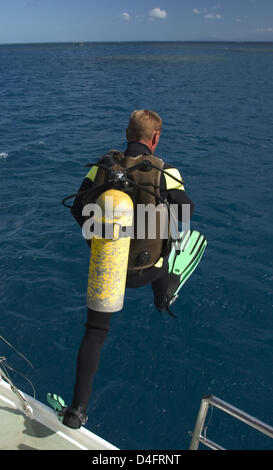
point(61, 107)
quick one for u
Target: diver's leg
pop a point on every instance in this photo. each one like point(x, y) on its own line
point(164, 290)
point(159, 289)
point(97, 327)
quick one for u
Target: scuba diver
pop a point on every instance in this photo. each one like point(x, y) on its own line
point(166, 266)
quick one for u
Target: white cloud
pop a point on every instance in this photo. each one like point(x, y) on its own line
point(264, 30)
point(217, 7)
point(157, 13)
point(125, 16)
point(211, 16)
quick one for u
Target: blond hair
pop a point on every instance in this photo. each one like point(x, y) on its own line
point(143, 124)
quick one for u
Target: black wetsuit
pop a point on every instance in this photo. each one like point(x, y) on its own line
point(98, 323)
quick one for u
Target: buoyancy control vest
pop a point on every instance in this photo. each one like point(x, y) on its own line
point(151, 235)
point(139, 177)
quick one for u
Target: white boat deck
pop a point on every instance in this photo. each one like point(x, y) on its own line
point(38, 428)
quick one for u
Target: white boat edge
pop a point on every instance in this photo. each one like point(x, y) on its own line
point(81, 438)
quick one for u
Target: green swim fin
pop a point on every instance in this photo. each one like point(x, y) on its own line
point(183, 259)
point(58, 405)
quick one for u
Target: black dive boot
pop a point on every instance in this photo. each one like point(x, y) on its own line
point(74, 417)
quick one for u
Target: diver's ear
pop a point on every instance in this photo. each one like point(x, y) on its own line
point(155, 139)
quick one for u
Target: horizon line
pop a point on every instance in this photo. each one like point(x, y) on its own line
point(139, 41)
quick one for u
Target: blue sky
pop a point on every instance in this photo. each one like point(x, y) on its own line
point(133, 20)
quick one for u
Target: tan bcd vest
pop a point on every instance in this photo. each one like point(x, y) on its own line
point(144, 252)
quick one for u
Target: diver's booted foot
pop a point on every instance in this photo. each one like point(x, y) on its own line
point(74, 418)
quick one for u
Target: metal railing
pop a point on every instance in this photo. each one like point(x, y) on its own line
point(26, 406)
point(211, 400)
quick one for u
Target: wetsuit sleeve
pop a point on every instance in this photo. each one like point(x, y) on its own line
point(174, 191)
point(77, 207)
point(180, 197)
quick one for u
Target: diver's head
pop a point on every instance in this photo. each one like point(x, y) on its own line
point(145, 127)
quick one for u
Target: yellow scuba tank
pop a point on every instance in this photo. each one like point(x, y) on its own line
point(110, 253)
